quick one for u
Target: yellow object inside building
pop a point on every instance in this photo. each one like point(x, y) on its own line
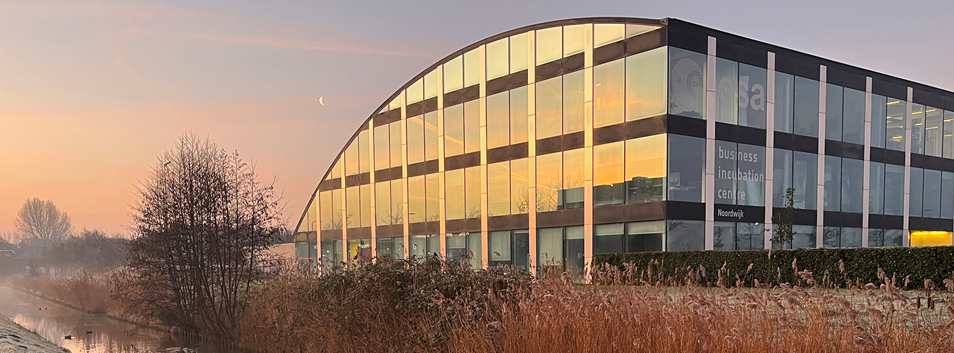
point(930, 238)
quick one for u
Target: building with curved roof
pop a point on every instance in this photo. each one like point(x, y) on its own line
point(547, 144)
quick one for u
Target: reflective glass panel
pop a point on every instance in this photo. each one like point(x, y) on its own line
point(415, 139)
point(416, 202)
point(608, 238)
point(498, 120)
point(854, 117)
point(549, 181)
point(518, 53)
point(753, 91)
point(917, 128)
point(947, 195)
point(916, 196)
point(326, 215)
point(519, 186)
point(686, 235)
point(573, 194)
point(932, 194)
point(608, 174)
point(875, 237)
point(948, 136)
point(472, 126)
point(834, 109)
point(550, 248)
point(646, 84)
point(573, 250)
point(353, 205)
point(832, 194)
point(432, 194)
point(645, 169)
point(645, 236)
point(519, 128)
point(725, 173)
point(472, 182)
point(430, 136)
point(365, 191)
point(500, 251)
point(418, 246)
point(831, 237)
point(804, 237)
point(751, 175)
point(382, 156)
point(749, 236)
point(893, 237)
point(549, 44)
point(415, 92)
point(606, 33)
point(336, 170)
point(471, 68)
point(893, 189)
point(498, 188)
point(727, 91)
point(932, 131)
point(687, 167)
point(454, 194)
point(364, 155)
point(850, 237)
point(876, 188)
point(397, 202)
point(573, 115)
point(498, 59)
point(852, 177)
point(351, 158)
point(687, 84)
point(804, 180)
point(723, 236)
point(396, 149)
point(783, 176)
point(879, 115)
point(382, 203)
point(894, 132)
point(430, 85)
point(454, 74)
point(784, 102)
point(453, 130)
point(337, 209)
point(806, 107)
point(574, 39)
point(608, 93)
point(549, 107)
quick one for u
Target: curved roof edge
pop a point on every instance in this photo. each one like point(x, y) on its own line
point(564, 22)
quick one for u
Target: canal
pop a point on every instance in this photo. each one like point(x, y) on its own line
point(90, 333)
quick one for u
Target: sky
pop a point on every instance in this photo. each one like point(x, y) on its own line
point(92, 92)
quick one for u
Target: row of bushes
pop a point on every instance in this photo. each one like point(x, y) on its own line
point(834, 266)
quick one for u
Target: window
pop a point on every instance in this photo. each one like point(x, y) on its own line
point(932, 131)
point(519, 186)
point(854, 117)
point(498, 188)
point(751, 175)
point(331, 209)
point(472, 126)
point(917, 128)
point(351, 158)
point(415, 92)
point(353, 219)
point(878, 120)
point(806, 107)
point(549, 44)
point(416, 203)
point(573, 250)
point(365, 210)
point(884, 237)
point(932, 194)
point(518, 53)
point(472, 181)
point(876, 188)
point(645, 236)
point(804, 237)
point(382, 203)
point(549, 181)
point(509, 248)
point(608, 238)
point(454, 74)
point(573, 176)
point(606, 33)
point(725, 173)
point(875, 237)
point(364, 155)
point(396, 149)
point(549, 108)
point(430, 136)
point(831, 237)
point(415, 139)
point(832, 183)
point(498, 120)
point(894, 131)
point(685, 235)
point(430, 85)
point(453, 130)
point(471, 68)
point(727, 91)
point(573, 108)
point(454, 194)
point(397, 201)
point(834, 109)
point(948, 136)
point(752, 96)
point(498, 59)
point(608, 174)
point(382, 156)
point(687, 167)
point(893, 190)
point(749, 236)
point(843, 237)
point(723, 236)
point(804, 179)
point(574, 39)
point(645, 169)
point(391, 248)
point(947, 195)
point(646, 84)
point(464, 247)
point(550, 248)
point(783, 176)
point(687, 85)
point(916, 197)
point(608, 93)
point(359, 250)
point(784, 102)
point(419, 246)
point(519, 128)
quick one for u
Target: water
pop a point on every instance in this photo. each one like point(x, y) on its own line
point(54, 322)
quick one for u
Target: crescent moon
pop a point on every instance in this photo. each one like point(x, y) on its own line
point(321, 100)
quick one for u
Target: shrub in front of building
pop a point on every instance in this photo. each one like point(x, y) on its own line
point(908, 267)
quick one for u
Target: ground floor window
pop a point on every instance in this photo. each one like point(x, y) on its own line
point(509, 247)
point(359, 250)
point(391, 248)
point(560, 249)
point(464, 247)
point(841, 237)
point(885, 237)
point(425, 245)
point(930, 238)
point(331, 254)
point(803, 238)
point(738, 236)
point(685, 235)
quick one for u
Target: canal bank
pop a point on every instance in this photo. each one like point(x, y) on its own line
point(16, 338)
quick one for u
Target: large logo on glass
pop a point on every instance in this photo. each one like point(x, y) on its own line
point(686, 84)
point(751, 97)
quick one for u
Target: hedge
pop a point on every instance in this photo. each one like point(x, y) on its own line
point(860, 264)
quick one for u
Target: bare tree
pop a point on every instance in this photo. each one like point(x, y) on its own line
point(42, 221)
point(202, 227)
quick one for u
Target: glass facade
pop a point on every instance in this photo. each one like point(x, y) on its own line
point(513, 143)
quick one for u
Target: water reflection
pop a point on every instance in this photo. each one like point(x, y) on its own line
point(89, 333)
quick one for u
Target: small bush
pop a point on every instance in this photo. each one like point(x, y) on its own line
point(834, 266)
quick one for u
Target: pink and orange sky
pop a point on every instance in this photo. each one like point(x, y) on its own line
point(91, 92)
